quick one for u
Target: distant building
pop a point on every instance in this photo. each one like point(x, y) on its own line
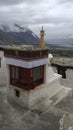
point(31, 80)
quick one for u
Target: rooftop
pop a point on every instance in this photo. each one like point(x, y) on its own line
point(23, 47)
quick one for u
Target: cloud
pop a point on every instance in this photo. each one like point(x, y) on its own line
point(55, 15)
point(10, 2)
point(15, 2)
point(65, 1)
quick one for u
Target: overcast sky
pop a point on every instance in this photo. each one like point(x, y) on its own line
point(56, 16)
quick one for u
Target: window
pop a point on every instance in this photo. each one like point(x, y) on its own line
point(36, 73)
point(15, 72)
point(22, 72)
point(37, 76)
point(18, 76)
point(17, 93)
point(26, 78)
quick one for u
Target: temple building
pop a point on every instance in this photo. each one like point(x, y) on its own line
point(31, 80)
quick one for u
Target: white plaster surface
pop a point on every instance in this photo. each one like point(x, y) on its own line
point(3, 70)
point(35, 97)
point(26, 64)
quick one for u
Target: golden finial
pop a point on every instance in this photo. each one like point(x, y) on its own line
point(42, 33)
point(42, 28)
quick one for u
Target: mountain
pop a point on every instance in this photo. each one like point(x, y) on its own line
point(17, 34)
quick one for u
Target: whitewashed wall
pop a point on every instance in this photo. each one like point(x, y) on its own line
point(3, 71)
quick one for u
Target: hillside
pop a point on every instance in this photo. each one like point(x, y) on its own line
point(17, 35)
point(63, 51)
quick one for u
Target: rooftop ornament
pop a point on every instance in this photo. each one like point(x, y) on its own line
point(42, 43)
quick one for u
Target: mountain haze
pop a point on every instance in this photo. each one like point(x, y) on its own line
point(17, 35)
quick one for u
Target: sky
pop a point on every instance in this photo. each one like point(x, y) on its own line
point(56, 16)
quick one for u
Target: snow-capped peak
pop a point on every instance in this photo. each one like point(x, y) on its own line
point(34, 35)
point(20, 28)
point(13, 28)
point(5, 28)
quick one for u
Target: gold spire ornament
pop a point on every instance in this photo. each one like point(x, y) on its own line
point(42, 43)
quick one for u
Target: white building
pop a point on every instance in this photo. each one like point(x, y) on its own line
point(31, 80)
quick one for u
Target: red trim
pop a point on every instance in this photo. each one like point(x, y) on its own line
point(10, 74)
point(26, 76)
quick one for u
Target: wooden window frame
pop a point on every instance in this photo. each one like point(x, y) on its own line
point(27, 78)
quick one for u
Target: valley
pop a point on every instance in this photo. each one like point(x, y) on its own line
point(61, 51)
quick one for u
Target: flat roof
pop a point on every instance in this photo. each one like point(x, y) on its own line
point(23, 47)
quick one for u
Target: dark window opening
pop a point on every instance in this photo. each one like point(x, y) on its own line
point(62, 71)
point(26, 78)
point(38, 82)
point(17, 93)
point(18, 76)
point(36, 73)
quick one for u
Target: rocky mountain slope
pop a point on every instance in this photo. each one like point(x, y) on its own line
point(17, 34)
